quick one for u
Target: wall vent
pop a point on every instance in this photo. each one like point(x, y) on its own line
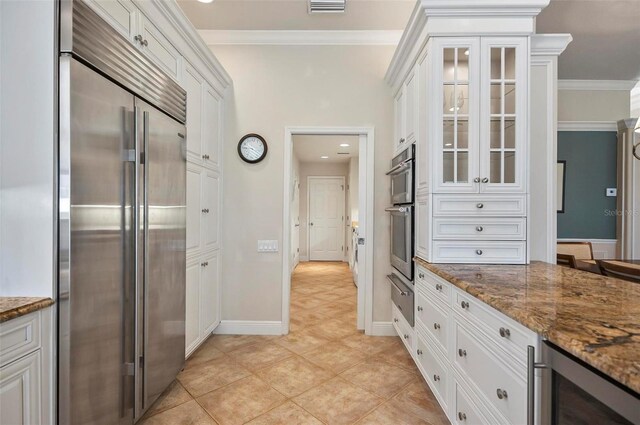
point(327, 6)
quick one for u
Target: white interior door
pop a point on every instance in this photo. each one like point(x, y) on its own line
point(326, 218)
point(295, 222)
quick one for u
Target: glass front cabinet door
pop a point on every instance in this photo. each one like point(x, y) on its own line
point(480, 111)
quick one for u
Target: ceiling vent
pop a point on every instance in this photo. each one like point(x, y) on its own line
point(326, 6)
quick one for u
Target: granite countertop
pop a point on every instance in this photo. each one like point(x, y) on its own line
point(12, 307)
point(593, 317)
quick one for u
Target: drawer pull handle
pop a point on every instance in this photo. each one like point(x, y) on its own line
point(436, 378)
point(479, 251)
point(421, 275)
point(395, 319)
point(480, 205)
point(462, 416)
point(406, 336)
point(419, 352)
point(420, 308)
point(505, 332)
point(436, 326)
point(464, 304)
point(438, 287)
point(501, 393)
point(462, 353)
point(479, 229)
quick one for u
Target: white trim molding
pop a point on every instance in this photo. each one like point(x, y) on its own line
point(383, 329)
point(249, 327)
point(549, 44)
point(301, 37)
point(587, 126)
point(617, 85)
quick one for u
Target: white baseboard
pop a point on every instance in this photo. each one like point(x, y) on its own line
point(304, 258)
point(249, 327)
point(383, 329)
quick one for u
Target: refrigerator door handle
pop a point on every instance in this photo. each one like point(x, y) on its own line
point(145, 235)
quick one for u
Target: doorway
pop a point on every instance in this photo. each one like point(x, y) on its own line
point(323, 244)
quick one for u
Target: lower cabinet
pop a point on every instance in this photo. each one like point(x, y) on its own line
point(202, 299)
point(26, 369)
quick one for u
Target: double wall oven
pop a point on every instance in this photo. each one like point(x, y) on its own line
point(402, 224)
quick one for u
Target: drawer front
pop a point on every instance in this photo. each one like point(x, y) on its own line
point(433, 319)
point(19, 336)
point(466, 412)
point(503, 388)
point(405, 332)
point(433, 370)
point(402, 297)
point(430, 283)
point(481, 228)
point(479, 205)
point(502, 331)
point(489, 252)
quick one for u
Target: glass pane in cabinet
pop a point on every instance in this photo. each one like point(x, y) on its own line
point(463, 134)
point(510, 63)
point(447, 134)
point(509, 133)
point(462, 99)
point(463, 167)
point(509, 167)
point(448, 97)
point(496, 98)
point(455, 99)
point(495, 162)
point(463, 64)
point(447, 167)
point(496, 63)
point(448, 64)
point(509, 98)
point(494, 134)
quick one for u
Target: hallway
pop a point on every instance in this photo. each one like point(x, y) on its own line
point(324, 371)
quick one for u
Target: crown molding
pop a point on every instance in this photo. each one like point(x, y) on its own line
point(620, 85)
point(549, 44)
point(587, 126)
point(301, 37)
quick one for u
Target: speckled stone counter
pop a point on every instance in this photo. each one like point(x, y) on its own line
point(12, 307)
point(593, 317)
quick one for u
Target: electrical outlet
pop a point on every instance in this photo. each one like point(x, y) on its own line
point(612, 191)
point(267, 246)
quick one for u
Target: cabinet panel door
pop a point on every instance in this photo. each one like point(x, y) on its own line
point(211, 210)
point(421, 126)
point(399, 120)
point(192, 307)
point(503, 132)
point(20, 402)
point(209, 295)
point(194, 207)
point(422, 218)
point(211, 129)
point(411, 107)
point(192, 83)
point(158, 48)
point(456, 69)
point(120, 14)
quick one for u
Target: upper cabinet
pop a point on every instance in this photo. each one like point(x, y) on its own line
point(406, 105)
point(120, 14)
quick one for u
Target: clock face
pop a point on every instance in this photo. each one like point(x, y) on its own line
point(252, 148)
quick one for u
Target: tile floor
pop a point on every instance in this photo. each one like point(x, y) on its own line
point(324, 371)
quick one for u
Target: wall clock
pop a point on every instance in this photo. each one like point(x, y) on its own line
point(252, 148)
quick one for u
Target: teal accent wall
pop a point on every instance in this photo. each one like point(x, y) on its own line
point(591, 168)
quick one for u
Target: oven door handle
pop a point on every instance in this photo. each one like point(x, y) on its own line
point(404, 165)
point(402, 293)
point(403, 210)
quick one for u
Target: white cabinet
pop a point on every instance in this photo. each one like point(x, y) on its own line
point(120, 14)
point(211, 128)
point(406, 106)
point(399, 114)
point(210, 209)
point(209, 293)
point(193, 84)
point(158, 47)
point(192, 305)
point(26, 370)
point(194, 207)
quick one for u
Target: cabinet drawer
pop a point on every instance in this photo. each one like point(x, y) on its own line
point(481, 228)
point(434, 370)
point(19, 336)
point(489, 252)
point(405, 332)
point(479, 205)
point(429, 282)
point(502, 331)
point(433, 319)
point(497, 382)
point(467, 412)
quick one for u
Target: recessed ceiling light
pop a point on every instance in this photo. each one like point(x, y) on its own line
point(448, 144)
point(205, 1)
point(324, 157)
point(344, 145)
point(466, 52)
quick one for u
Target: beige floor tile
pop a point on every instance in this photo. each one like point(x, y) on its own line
point(241, 401)
point(335, 356)
point(226, 343)
point(294, 376)
point(308, 317)
point(189, 413)
point(398, 355)
point(378, 377)
point(338, 402)
point(387, 414)
point(333, 310)
point(307, 302)
point(259, 356)
point(211, 375)
point(206, 352)
point(370, 345)
point(301, 342)
point(171, 397)
point(286, 414)
point(333, 329)
point(418, 400)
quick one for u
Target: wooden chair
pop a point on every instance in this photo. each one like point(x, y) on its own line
point(580, 250)
point(566, 260)
point(621, 270)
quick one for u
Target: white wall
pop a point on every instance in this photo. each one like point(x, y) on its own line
point(275, 87)
point(308, 169)
point(27, 140)
point(593, 105)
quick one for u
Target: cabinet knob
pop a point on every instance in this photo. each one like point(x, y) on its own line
point(420, 308)
point(203, 264)
point(479, 205)
point(462, 416)
point(462, 353)
point(505, 332)
point(419, 352)
point(138, 38)
point(479, 228)
point(436, 326)
point(438, 287)
point(421, 275)
point(479, 251)
point(485, 180)
point(395, 320)
point(464, 304)
point(502, 394)
point(402, 140)
point(476, 180)
point(205, 156)
point(436, 378)
point(406, 336)
point(145, 43)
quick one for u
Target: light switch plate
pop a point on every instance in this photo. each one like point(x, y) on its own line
point(267, 246)
point(612, 191)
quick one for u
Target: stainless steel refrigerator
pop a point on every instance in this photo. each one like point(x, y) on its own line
point(122, 225)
